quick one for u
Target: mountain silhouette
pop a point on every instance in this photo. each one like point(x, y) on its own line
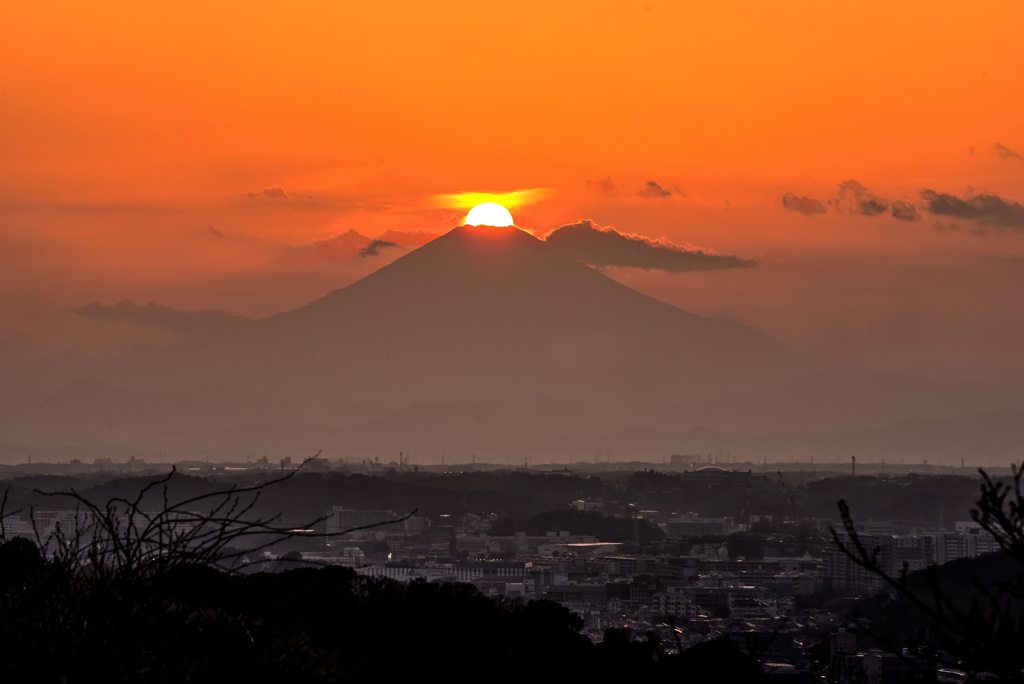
point(483, 313)
point(482, 339)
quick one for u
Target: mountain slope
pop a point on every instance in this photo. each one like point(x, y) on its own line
point(477, 314)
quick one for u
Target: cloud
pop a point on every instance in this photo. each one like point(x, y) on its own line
point(1006, 153)
point(153, 314)
point(852, 187)
point(373, 249)
point(854, 198)
point(805, 205)
point(988, 210)
point(606, 186)
point(991, 212)
point(351, 244)
point(652, 189)
point(904, 211)
point(213, 231)
point(342, 246)
point(408, 239)
point(873, 207)
point(269, 193)
point(586, 242)
point(275, 193)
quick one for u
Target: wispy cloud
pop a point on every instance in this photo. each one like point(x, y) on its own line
point(904, 211)
point(605, 186)
point(853, 198)
point(373, 249)
point(654, 190)
point(352, 244)
point(1006, 153)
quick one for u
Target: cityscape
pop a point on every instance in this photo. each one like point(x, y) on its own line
point(680, 555)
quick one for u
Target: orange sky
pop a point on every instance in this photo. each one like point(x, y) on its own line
point(132, 134)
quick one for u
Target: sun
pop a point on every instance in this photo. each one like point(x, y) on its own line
point(489, 214)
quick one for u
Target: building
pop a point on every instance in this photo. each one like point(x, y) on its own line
point(341, 519)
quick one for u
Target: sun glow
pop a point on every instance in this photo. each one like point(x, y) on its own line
point(516, 198)
point(489, 214)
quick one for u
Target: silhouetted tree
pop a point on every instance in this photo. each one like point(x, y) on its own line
point(710, 662)
point(974, 623)
point(130, 594)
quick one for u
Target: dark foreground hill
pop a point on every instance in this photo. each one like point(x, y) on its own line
point(196, 624)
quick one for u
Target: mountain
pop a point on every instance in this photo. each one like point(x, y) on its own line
point(487, 342)
point(483, 342)
point(483, 314)
point(485, 331)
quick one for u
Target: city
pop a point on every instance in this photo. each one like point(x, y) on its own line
point(681, 555)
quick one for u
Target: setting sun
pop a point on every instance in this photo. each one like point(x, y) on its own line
point(489, 214)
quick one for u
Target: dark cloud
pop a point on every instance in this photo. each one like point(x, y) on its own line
point(1006, 153)
point(853, 188)
point(342, 246)
point(991, 212)
point(584, 241)
point(988, 210)
point(606, 186)
point(373, 249)
point(805, 205)
point(269, 193)
point(853, 198)
point(351, 244)
point(153, 314)
point(652, 189)
point(872, 207)
point(904, 211)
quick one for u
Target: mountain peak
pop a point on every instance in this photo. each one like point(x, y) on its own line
point(484, 312)
point(489, 238)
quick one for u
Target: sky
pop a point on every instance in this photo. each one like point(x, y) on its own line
point(861, 166)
